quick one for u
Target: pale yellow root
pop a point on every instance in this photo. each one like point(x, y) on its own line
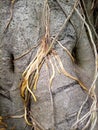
point(25, 117)
point(69, 75)
point(53, 70)
point(68, 52)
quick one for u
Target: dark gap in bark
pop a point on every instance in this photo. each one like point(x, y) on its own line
point(5, 94)
point(60, 89)
point(74, 54)
point(12, 66)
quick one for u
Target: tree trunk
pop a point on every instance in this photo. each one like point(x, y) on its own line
point(56, 107)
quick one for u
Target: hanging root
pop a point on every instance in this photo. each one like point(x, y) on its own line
point(93, 108)
point(46, 54)
point(67, 51)
point(11, 15)
point(67, 74)
point(35, 67)
point(25, 117)
point(53, 74)
point(32, 68)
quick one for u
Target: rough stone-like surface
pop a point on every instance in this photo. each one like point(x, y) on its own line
point(24, 31)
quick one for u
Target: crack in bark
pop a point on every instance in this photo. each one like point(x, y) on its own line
point(60, 89)
point(5, 93)
point(6, 96)
point(71, 116)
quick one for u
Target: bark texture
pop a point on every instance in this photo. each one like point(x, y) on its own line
point(24, 31)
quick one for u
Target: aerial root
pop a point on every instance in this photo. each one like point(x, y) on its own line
point(25, 116)
point(11, 15)
point(68, 52)
point(34, 97)
point(34, 68)
point(53, 72)
point(44, 52)
point(69, 75)
point(91, 93)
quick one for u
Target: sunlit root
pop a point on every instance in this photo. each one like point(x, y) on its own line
point(53, 72)
point(45, 54)
point(25, 117)
point(68, 52)
point(69, 75)
point(33, 67)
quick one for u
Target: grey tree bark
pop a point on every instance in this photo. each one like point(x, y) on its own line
point(25, 31)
